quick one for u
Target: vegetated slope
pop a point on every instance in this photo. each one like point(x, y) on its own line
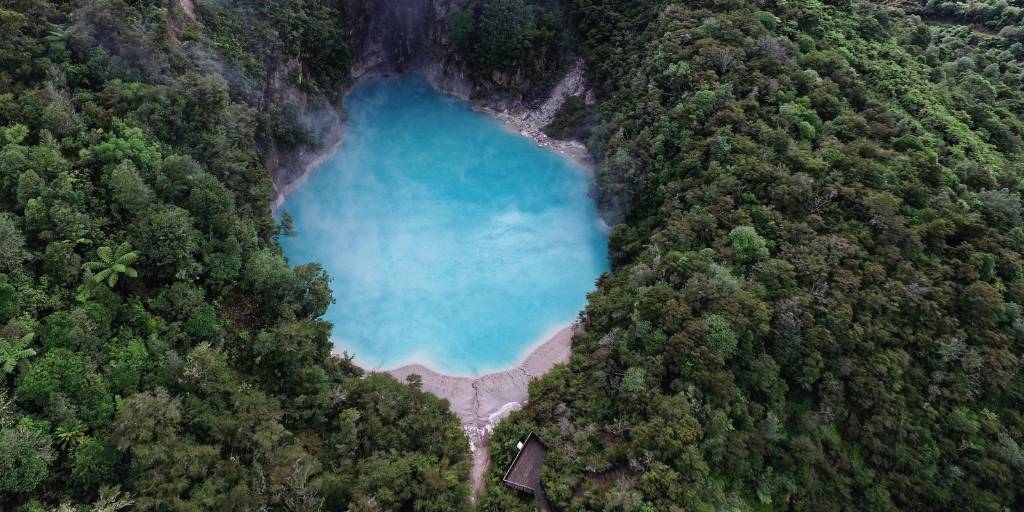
point(513, 43)
point(817, 286)
point(155, 346)
point(997, 16)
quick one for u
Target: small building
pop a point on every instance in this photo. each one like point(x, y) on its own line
point(524, 473)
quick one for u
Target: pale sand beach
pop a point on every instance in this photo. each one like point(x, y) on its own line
point(481, 401)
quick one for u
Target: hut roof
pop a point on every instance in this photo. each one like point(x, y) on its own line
point(524, 473)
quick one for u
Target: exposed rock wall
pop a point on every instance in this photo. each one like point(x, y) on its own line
point(397, 36)
point(408, 36)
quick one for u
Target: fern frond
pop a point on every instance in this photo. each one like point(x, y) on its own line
point(106, 254)
point(123, 249)
point(103, 274)
point(128, 258)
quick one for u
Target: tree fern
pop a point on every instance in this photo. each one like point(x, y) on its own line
point(113, 263)
point(12, 351)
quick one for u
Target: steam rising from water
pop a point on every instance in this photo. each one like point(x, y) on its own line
point(451, 241)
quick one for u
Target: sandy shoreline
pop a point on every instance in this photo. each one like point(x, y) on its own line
point(483, 400)
point(480, 402)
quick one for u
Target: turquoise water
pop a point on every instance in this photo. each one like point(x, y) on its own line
point(451, 241)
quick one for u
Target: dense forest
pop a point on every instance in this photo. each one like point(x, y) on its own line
point(511, 37)
point(816, 293)
point(157, 352)
point(816, 299)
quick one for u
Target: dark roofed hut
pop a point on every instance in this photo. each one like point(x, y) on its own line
point(524, 473)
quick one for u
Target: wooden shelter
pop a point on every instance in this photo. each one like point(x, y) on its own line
point(524, 473)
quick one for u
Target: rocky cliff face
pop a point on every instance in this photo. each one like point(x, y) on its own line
point(408, 36)
point(397, 36)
